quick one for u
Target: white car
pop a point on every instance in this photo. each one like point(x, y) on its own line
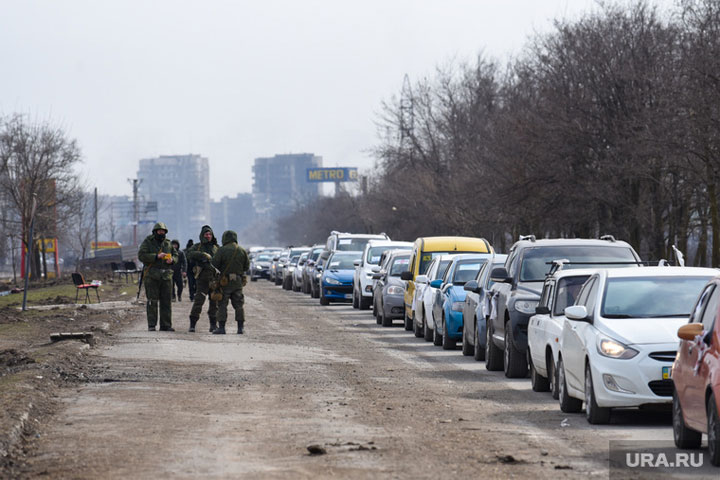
point(545, 327)
point(424, 295)
point(362, 280)
point(619, 340)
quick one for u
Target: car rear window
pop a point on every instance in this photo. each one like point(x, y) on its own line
point(427, 257)
point(536, 261)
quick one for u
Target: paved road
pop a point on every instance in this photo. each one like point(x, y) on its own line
point(379, 401)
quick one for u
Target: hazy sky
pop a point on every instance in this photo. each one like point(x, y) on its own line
point(235, 80)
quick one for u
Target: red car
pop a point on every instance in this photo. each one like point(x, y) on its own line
point(696, 376)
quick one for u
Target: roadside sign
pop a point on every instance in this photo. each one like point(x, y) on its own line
point(340, 174)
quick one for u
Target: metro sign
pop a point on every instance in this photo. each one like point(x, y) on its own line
point(344, 174)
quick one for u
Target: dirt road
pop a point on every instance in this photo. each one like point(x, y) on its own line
point(380, 402)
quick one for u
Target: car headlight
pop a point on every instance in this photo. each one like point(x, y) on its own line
point(258, 267)
point(332, 281)
point(291, 269)
point(395, 290)
point(610, 348)
point(457, 306)
point(526, 306)
point(318, 275)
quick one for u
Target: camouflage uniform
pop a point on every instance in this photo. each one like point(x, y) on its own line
point(200, 255)
point(157, 277)
point(232, 261)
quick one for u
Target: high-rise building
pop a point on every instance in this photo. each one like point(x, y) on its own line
point(280, 182)
point(180, 184)
point(232, 213)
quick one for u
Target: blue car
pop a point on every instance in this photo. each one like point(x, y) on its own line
point(336, 282)
point(450, 298)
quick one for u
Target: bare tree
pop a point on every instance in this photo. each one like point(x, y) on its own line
point(37, 160)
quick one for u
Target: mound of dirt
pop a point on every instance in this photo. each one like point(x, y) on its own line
point(13, 358)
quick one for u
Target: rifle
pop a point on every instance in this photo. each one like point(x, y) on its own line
point(142, 274)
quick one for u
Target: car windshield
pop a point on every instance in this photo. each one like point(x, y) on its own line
point(374, 253)
point(294, 260)
point(567, 291)
point(466, 270)
point(536, 261)
point(399, 265)
point(342, 262)
point(649, 297)
point(352, 243)
point(263, 258)
point(315, 254)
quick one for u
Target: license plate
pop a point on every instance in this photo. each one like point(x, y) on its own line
point(348, 296)
point(666, 372)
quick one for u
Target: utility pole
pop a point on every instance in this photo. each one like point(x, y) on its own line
point(96, 215)
point(29, 251)
point(135, 183)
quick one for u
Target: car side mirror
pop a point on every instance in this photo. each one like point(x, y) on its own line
point(471, 286)
point(275, 259)
point(542, 310)
point(375, 269)
point(310, 263)
point(500, 275)
point(356, 263)
point(578, 313)
point(690, 331)
point(436, 283)
point(377, 276)
point(406, 276)
point(421, 279)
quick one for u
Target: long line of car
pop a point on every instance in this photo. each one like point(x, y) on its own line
point(585, 319)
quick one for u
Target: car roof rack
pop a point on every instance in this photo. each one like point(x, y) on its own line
point(527, 237)
point(608, 238)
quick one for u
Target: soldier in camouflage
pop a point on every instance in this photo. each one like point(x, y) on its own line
point(158, 256)
point(232, 262)
point(200, 255)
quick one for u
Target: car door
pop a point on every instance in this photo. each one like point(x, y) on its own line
point(439, 300)
point(575, 335)
point(471, 305)
point(537, 326)
point(694, 382)
point(501, 293)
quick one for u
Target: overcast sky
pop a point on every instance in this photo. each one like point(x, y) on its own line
point(236, 80)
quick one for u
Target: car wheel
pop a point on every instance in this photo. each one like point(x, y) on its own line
point(447, 342)
point(537, 381)
point(253, 279)
point(408, 322)
point(314, 293)
point(323, 299)
point(437, 337)
point(355, 300)
point(594, 414)
point(568, 404)
point(385, 321)
point(515, 362)
point(713, 431)
point(417, 331)
point(684, 437)
point(364, 303)
point(493, 354)
point(552, 378)
point(375, 309)
point(278, 281)
point(467, 349)
point(479, 353)
point(427, 333)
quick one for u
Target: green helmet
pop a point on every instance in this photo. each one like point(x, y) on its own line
point(159, 226)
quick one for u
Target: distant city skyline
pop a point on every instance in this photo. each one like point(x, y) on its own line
point(234, 81)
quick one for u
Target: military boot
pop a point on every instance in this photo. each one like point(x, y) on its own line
point(240, 328)
point(220, 330)
point(213, 326)
point(192, 325)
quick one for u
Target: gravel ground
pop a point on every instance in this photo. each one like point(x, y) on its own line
point(372, 401)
